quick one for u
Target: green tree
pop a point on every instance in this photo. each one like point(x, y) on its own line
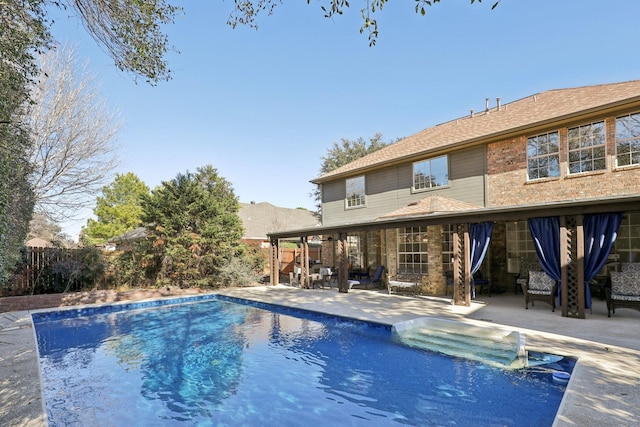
point(129, 30)
point(16, 197)
point(16, 203)
point(118, 210)
point(246, 12)
point(346, 151)
point(195, 227)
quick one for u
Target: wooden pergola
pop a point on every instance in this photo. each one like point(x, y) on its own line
point(571, 242)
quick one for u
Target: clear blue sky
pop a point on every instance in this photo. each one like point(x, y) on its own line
point(264, 106)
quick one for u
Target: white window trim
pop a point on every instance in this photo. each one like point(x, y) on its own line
point(438, 187)
point(617, 141)
point(557, 153)
point(364, 193)
point(604, 144)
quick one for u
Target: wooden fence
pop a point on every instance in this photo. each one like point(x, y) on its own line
point(44, 268)
point(289, 257)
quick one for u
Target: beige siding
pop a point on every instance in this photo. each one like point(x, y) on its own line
point(389, 189)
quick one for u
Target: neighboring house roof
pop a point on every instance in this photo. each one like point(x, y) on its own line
point(38, 242)
point(131, 236)
point(430, 205)
point(533, 111)
point(259, 219)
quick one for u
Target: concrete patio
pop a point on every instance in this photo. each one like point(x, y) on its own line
point(603, 390)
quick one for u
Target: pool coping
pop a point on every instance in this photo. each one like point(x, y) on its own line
point(603, 389)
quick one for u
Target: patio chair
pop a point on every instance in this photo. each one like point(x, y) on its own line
point(481, 284)
point(540, 287)
point(624, 291)
point(316, 280)
point(448, 282)
point(376, 279)
point(293, 279)
point(523, 276)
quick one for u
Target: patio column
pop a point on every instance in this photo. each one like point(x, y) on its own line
point(572, 265)
point(343, 264)
point(579, 264)
point(304, 262)
point(274, 260)
point(467, 266)
point(461, 265)
point(565, 258)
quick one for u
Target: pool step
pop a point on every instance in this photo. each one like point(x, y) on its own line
point(493, 346)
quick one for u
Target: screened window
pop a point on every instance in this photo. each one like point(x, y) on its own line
point(447, 247)
point(373, 248)
point(354, 249)
point(355, 192)
point(430, 173)
point(519, 242)
point(412, 250)
point(587, 148)
point(628, 140)
point(543, 156)
point(628, 241)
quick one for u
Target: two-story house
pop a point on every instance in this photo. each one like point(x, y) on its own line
point(464, 195)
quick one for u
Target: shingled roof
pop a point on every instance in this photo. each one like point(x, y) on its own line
point(534, 110)
point(259, 219)
point(430, 205)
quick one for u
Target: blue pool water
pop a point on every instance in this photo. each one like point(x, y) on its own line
point(219, 362)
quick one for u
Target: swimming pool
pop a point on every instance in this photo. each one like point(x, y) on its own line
point(219, 361)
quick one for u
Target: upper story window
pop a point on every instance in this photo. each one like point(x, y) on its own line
point(628, 140)
point(543, 156)
point(355, 192)
point(587, 148)
point(430, 173)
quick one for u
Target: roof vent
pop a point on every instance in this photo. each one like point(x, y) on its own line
point(486, 105)
point(471, 111)
point(498, 103)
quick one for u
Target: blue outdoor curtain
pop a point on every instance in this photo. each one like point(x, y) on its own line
point(546, 237)
point(480, 235)
point(600, 233)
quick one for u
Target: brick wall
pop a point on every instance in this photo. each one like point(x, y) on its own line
point(507, 175)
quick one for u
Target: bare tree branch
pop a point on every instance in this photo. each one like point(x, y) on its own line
point(73, 133)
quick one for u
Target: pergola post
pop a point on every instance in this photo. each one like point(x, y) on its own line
point(564, 266)
point(274, 259)
point(343, 264)
point(579, 265)
point(457, 266)
point(467, 266)
point(304, 262)
point(572, 264)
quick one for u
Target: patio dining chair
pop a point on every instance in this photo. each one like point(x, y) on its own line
point(540, 287)
point(624, 291)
